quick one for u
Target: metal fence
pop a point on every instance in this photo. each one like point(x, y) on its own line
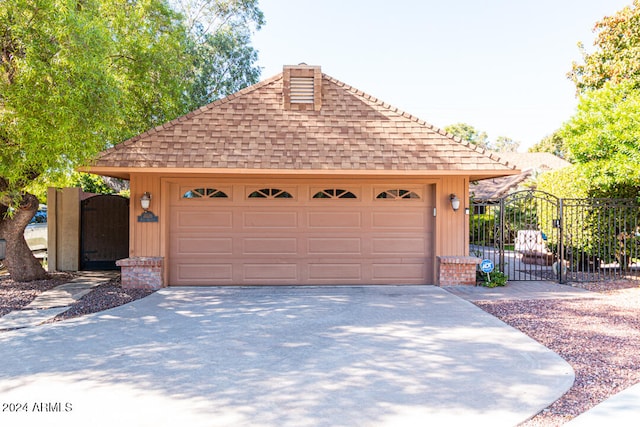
point(532, 235)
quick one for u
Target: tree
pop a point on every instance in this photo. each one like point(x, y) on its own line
point(219, 43)
point(79, 76)
point(551, 144)
point(468, 133)
point(90, 183)
point(75, 77)
point(603, 138)
point(149, 59)
point(617, 54)
point(505, 144)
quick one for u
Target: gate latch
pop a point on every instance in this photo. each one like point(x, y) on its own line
point(556, 223)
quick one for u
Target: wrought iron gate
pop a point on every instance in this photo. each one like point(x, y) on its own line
point(532, 235)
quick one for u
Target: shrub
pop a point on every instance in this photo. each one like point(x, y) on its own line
point(494, 279)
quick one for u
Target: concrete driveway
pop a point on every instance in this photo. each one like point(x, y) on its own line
point(280, 356)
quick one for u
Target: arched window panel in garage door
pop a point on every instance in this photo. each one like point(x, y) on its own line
point(334, 193)
point(398, 194)
point(205, 193)
point(270, 193)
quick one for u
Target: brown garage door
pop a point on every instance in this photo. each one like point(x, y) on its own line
point(256, 234)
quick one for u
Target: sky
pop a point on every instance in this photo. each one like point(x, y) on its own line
point(498, 65)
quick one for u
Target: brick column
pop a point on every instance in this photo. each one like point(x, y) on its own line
point(142, 272)
point(457, 270)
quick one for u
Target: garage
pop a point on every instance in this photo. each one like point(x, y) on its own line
point(225, 233)
point(300, 179)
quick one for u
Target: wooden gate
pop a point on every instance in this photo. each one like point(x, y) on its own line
point(104, 232)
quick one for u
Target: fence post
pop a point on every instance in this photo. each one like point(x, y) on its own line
point(501, 240)
point(560, 240)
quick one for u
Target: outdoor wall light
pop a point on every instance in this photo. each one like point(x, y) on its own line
point(147, 215)
point(455, 202)
point(145, 201)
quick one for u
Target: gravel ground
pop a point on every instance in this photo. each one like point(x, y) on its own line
point(14, 296)
point(599, 337)
point(103, 297)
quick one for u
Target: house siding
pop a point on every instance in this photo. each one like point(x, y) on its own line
point(146, 236)
point(455, 241)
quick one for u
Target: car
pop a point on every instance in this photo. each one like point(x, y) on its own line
point(36, 231)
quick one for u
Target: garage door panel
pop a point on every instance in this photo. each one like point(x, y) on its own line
point(398, 219)
point(270, 246)
point(189, 220)
point(398, 246)
point(191, 245)
point(334, 245)
point(270, 219)
point(398, 271)
point(269, 272)
point(335, 272)
point(204, 273)
point(334, 219)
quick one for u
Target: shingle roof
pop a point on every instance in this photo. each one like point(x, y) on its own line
point(252, 130)
point(529, 163)
point(540, 162)
point(496, 188)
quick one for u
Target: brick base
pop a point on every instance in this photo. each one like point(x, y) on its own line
point(457, 270)
point(142, 272)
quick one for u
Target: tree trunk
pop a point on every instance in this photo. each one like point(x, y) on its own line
point(20, 262)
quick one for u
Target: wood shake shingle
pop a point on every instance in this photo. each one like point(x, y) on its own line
point(252, 129)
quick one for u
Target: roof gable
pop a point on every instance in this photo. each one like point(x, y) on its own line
point(252, 130)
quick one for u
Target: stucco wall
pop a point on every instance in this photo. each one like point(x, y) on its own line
point(63, 228)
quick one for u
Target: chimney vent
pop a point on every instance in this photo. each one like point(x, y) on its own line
point(301, 90)
point(302, 87)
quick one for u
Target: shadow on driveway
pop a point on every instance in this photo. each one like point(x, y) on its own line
point(282, 356)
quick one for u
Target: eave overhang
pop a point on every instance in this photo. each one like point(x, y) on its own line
point(125, 173)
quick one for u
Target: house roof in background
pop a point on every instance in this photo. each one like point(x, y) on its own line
point(540, 162)
point(530, 165)
point(252, 130)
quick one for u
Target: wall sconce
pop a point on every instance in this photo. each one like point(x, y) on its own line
point(455, 202)
point(145, 201)
point(147, 215)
